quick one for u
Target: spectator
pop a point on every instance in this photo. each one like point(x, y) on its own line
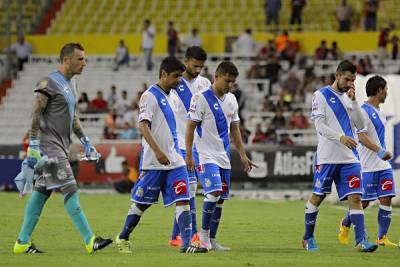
point(135, 101)
point(148, 43)
point(240, 98)
point(281, 41)
point(362, 67)
point(23, 50)
point(272, 137)
point(298, 120)
point(244, 131)
point(259, 135)
point(278, 121)
point(193, 39)
point(382, 44)
point(267, 105)
point(123, 104)
point(321, 52)
point(110, 124)
point(128, 179)
point(272, 70)
point(99, 105)
point(272, 9)
point(112, 96)
point(344, 13)
point(292, 83)
point(335, 53)
point(267, 51)
point(128, 132)
point(370, 15)
point(289, 53)
point(285, 140)
point(173, 39)
point(245, 45)
point(121, 56)
point(395, 46)
point(369, 65)
point(83, 103)
point(297, 10)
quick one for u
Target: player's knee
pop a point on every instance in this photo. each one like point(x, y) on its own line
point(316, 200)
point(68, 191)
point(386, 201)
point(43, 191)
point(365, 204)
point(212, 198)
point(192, 190)
point(137, 209)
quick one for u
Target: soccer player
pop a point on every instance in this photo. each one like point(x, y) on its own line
point(377, 175)
point(54, 117)
point(214, 112)
point(336, 114)
point(190, 83)
point(162, 167)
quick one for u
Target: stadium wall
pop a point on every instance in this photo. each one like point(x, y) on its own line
point(213, 43)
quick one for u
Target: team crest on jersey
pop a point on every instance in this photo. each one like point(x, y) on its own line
point(386, 184)
point(354, 181)
point(139, 192)
point(180, 187)
point(207, 182)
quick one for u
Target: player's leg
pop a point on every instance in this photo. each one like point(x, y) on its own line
point(73, 207)
point(321, 186)
point(144, 194)
point(33, 210)
point(175, 190)
point(215, 220)
point(386, 190)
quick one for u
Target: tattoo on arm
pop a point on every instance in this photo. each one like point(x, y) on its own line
point(39, 105)
point(77, 126)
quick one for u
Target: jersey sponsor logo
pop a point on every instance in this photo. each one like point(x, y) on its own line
point(332, 100)
point(181, 88)
point(216, 106)
point(354, 181)
point(386, 184)
point(163, 101)
point(180, 187)
point(374, 115)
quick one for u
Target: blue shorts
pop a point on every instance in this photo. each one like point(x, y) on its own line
point(172, 183)
point(213, 178)
point(192, 175)
point(378, 184)
point(347, 178)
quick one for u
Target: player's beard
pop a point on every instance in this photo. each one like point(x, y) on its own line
point(192, 75)
point(343, 89)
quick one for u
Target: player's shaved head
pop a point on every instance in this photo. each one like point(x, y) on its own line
point(68, 50)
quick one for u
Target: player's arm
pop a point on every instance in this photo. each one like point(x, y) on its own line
point(77, 127)
point(90, 150)
point(189, 137)
point(237, 140)
point(332, 135)
point(39, 105)
point(144, 128)
point(367, 142)
point(356, 115)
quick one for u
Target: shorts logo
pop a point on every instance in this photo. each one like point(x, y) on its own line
point(224, 187)
point(208, 182)
point(354, 181)
point(200, 169)
point(139, 192)
point(180, 187)
point(386, 184)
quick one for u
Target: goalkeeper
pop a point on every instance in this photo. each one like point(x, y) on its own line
point(54, 117)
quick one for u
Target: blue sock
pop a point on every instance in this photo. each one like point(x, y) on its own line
point(209, 204)
point(33, 210)
point(192, 203)
point(175, 230)
point(384, 219)
point(184, 220)
point(215, 220)
point(310, 219)
point(73, 207)
point(346, 221)
point(133, 218)
point(357, 218)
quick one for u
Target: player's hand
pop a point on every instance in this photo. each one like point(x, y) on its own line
point(88, 147)
point(189, 163)
point(352, 93)
point(248, 164)
point(348, 141)
point(162, 158)
point(387, 156)
point(33, 153)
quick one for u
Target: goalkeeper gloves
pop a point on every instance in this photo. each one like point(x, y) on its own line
point(33, 154)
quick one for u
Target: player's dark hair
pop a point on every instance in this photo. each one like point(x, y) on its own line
point(346, 65)
point(227, 67)
point(196, 52)
point(68, 50)
point(374, 84)
point(171, 64)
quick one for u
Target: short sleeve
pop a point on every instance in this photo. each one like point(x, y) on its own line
point(147, 106)
point(196, 109)
point(318, 106)
point(235, 117)
point(367, 122)
point(44, 86)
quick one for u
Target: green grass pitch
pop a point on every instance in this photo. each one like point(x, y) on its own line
point(260, 233)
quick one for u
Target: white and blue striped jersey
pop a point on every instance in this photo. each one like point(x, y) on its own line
point(335, 108)
point(375, 122)
point(159, 109)
point(185, 91)
point(212, 134)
